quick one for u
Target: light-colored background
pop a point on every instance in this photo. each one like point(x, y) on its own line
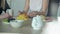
point(17, 5)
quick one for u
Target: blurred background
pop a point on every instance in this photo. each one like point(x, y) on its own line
point(17, 5)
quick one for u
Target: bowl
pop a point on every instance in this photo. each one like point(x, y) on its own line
point(16, 23)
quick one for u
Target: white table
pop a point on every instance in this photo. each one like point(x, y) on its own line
point(26, 29)
point(52, 28)
point(49, 28)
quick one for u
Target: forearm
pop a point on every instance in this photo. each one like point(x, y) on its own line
point(6, 15)
point(3, 4)
point(26, 8)
point(44, 7)
point(1, 17)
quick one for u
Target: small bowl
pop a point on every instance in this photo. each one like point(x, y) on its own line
point(16, 23)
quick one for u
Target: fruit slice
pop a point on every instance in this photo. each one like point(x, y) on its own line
point(22, 17)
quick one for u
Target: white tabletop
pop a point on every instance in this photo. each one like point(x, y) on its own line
point(26, 29)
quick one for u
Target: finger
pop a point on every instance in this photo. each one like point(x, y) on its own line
point(30, 15)
point(36, 13)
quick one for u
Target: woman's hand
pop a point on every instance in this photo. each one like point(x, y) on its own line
point(42, 13)
point(49, 19)
point(33, 13)
point(22, 12)
point(6, 15)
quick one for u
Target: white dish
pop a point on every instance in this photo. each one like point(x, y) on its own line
point(6, 23)
point(16, 23)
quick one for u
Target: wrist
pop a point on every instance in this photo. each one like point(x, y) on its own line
point(42, 13)
point(25, 12)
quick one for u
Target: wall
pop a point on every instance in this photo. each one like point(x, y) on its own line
point(54, 9)
point(17, 5)
point(59, 10)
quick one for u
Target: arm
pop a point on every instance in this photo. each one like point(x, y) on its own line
point(3, 4)
point(2, 17)
point(26, 8)
point(6, 15)
point(44, 7)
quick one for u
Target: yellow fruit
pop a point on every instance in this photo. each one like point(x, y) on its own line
point(22, 17)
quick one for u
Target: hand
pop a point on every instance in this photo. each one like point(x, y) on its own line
point(19, 12)
point(42, 13)
point(6, 15)
point(49, 19)
point(33, 14)
point(22, 12)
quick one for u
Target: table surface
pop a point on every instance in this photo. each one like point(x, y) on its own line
point(25, 29)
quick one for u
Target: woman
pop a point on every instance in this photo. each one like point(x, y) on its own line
point(36, 7)
point(3, 8)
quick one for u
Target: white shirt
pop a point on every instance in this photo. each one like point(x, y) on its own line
point(35, 5)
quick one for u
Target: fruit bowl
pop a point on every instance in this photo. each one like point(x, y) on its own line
point(16, 23)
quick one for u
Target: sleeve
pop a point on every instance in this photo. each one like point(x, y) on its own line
point(6, 6)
